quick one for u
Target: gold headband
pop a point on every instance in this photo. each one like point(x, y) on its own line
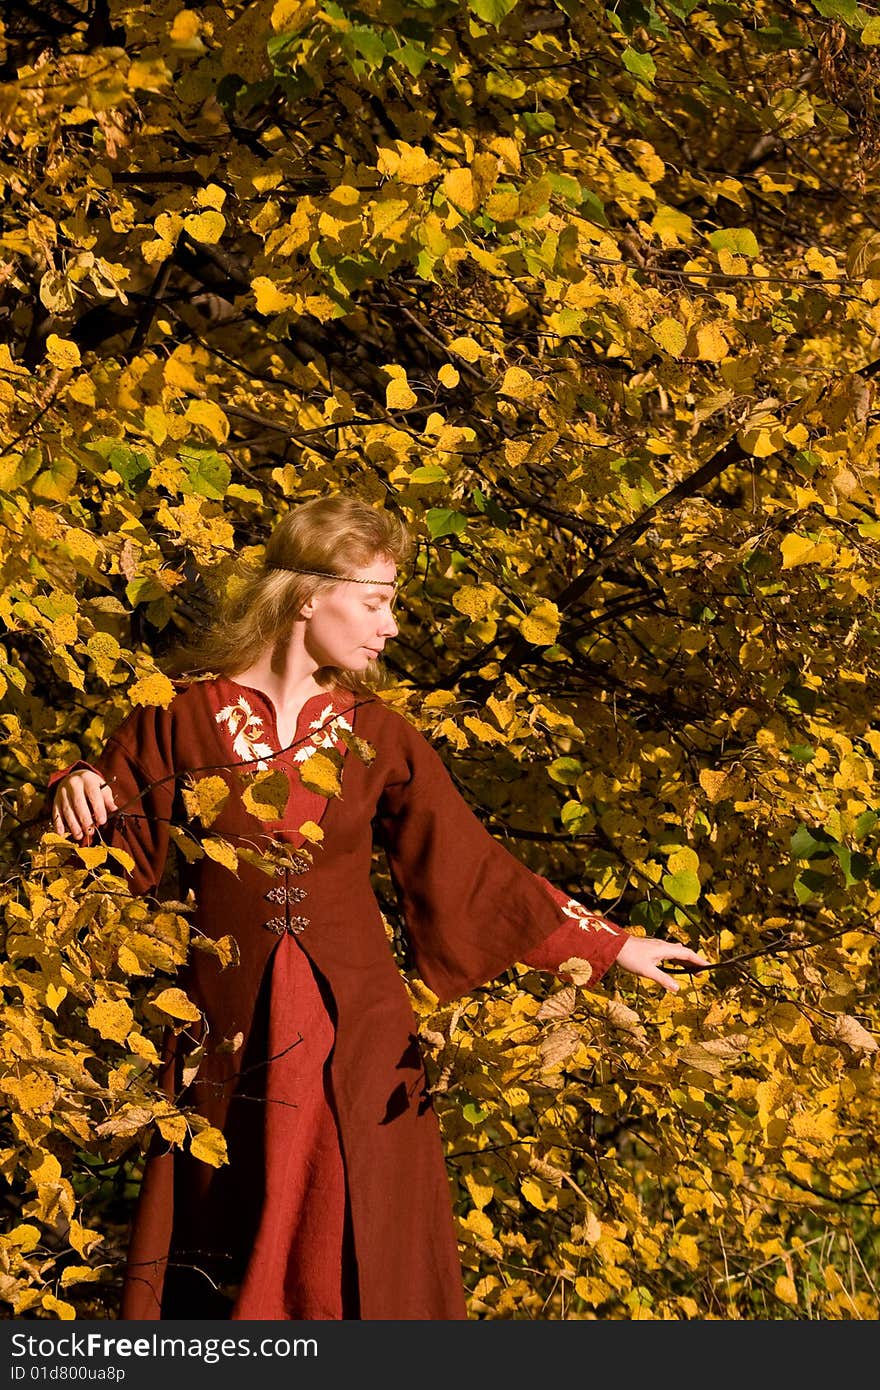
point(325, 574)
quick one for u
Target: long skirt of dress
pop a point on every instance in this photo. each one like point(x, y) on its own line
point(270, 1237)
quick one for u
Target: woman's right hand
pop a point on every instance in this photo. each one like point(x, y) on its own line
point(83, 800)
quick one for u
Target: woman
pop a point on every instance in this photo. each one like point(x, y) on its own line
point(335, 1202)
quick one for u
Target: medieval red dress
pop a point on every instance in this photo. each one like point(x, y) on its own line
point(335, 1202)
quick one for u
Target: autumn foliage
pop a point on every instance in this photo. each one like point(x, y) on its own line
point(593, 298)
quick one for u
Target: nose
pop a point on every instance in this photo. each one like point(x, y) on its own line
point(389, 628)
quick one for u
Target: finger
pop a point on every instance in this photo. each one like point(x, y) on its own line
point(663, 979)
point(686, 958)
point(109, 801)
point(81, 814)
point(100, 812)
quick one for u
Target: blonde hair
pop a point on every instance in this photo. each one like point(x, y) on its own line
point(335, 534)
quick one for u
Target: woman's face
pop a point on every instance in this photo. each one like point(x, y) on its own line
point(347, 626)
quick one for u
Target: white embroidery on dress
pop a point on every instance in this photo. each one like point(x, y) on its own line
point(246, 729)
point(324, 739)
point(586, 920)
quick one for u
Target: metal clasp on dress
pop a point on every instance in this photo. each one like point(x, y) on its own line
point(283, 894)
point(279, 925)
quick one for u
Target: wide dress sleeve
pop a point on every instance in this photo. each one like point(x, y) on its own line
point(137, 764)
point(471, 908)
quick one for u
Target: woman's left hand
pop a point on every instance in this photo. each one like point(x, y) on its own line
point(640, 956)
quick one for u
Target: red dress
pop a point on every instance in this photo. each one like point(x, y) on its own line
point(335, 1202)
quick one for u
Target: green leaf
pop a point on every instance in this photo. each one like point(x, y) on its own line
point(565, 770)
point(593, 208)
point(429, 473)
point(444, 521)
point(208, 474)
point(365, 41)
point(865, 823)
point(473, 1114)
point(740, 240)
point(412, 55)
point(871, 32)
point(651, 914)
point(641, 65)
point(809, 883)
point(802, 752)
point(844, 10)
point(566, 186)
point(56, 482)
point(683, 887)
point(492, 11)
point(807, 844)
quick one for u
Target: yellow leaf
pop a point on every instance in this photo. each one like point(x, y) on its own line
point(148, 74)
point(154, 689)
point(761, 442)
point(184, 26)
point(209, 415)
point(415, 167)
point(710, 343)
point(65, 1311)
point(799, 550)
point(271, 299)
point(321, 774)
point(818, 1126)
point(517, 383)
point(670, 336)
point(685, 1248)
point(448, 376)
point(672, 227)
point(398, 393)
point(212, 196)
point(471, 600)
point(467, 348)
point(221, 852)
point(24, 1237)
point(111, 1019)
point(503, 206)
point(713, 783)
point(311, 831)
point(54, 996)
point(541, 625)
point(81, 1238)
point(154, 252)
point(33, 1093)
point(458, 185)
point(79, 1274)
point(533, 1193)
point(289, 16)
point(267, 795)
point(786, 1290)
point(592, 1291)
point(481, 1193)
point(826, 266)
point(62, 353)
point(205, 226)
point(172, 1127)
point(175, 1004)
point(210, 1146)
point(684, 861)
point(56, 292)
point(206, 799)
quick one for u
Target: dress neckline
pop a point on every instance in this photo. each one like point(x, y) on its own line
point(328, 696)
